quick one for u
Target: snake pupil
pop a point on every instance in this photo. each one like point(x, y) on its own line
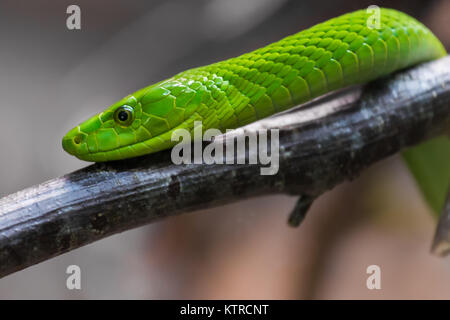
point(122, 116)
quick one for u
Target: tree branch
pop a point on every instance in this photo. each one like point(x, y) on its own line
point(441, 241)
point(322, 144)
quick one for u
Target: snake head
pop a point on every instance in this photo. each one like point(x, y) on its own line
point(138, 124)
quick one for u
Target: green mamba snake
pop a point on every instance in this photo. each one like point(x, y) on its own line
point(231, 93)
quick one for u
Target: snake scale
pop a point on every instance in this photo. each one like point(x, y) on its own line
point(231, 93)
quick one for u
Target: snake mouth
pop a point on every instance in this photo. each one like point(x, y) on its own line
point(75, 144)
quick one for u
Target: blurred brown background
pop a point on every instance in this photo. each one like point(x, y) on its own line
point(52, 78)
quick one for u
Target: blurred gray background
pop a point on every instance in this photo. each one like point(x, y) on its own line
point(51, 78)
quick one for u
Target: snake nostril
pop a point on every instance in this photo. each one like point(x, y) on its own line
point(77, 139)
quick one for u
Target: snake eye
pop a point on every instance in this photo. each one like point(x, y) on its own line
point(124, 115)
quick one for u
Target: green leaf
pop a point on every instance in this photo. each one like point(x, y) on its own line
point(429, 163)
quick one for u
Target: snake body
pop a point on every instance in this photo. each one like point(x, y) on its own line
point(234, 92)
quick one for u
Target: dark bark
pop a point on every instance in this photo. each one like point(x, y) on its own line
point(321, 145)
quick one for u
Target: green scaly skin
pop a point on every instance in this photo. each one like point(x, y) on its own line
point(231, 93)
